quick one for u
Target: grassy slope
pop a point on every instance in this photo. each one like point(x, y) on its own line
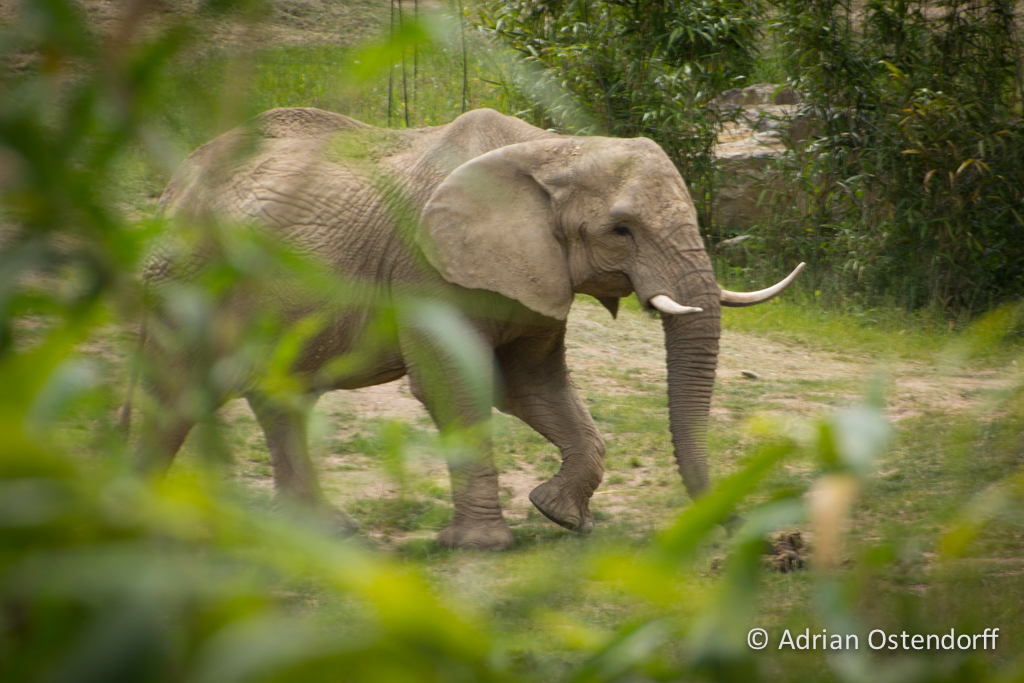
point(940, 457)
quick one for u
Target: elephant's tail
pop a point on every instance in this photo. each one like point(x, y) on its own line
point(124, 421)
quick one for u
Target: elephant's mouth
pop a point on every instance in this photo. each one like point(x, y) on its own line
point(614, 284)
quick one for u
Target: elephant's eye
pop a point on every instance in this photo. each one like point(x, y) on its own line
point(622, 230)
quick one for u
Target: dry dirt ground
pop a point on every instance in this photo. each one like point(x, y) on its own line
point(616, 362)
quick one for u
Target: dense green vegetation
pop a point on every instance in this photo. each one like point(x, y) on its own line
point(106, 576)
point(909, 190)
point(913, 189)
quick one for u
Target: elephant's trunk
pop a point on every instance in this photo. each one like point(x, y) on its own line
point(691, 345)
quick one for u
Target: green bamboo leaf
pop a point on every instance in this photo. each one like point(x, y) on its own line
point(681, 538)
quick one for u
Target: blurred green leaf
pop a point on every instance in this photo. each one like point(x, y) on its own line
point(678, 541)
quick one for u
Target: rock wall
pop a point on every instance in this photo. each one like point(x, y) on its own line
point(769, 119)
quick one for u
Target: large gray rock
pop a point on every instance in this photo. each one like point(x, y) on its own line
point(762, 93)
point(769, 120)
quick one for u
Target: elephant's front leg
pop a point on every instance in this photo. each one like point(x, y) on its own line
point(478, 522)
point(540, 393)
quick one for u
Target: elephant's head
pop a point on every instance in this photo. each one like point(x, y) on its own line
point(541, 220)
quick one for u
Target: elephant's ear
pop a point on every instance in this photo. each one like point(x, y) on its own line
point(490, 225)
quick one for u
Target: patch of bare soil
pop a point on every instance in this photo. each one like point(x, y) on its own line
point(601, 350)
point(516, 485)
point(385, 401)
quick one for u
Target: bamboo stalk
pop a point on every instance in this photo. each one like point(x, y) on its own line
point(465, 77)
point(415, 50)
point(405, 90)
point(391, 71)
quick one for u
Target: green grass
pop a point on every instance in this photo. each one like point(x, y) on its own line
point(890, 334)
point(401, 514)
point(322, 76)
point(349, 80)
point(886, 334)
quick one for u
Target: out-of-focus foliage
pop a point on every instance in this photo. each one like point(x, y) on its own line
point(911, 189)
point(108, 576)
point(631, 69)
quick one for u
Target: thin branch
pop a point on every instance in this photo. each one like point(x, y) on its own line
point(405, 90)
point(465, 76)
point(1010, 23)
point(415, 50)
point(391, 70)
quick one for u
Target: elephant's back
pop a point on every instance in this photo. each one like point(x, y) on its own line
point(202, 175)
point(433, 153)
point(308, 175)
point(303, 122)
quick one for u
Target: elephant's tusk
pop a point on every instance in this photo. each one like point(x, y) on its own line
point(738, 299)
point(666, 305)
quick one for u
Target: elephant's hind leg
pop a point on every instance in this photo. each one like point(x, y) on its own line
point(295, 479)
point(162, 436)
point(540, 393)
point(166, 423)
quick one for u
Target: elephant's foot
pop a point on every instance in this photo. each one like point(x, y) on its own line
point(339, 523)
point(563, 505)
point(492, 534)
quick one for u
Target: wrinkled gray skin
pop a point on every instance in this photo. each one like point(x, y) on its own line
point(505, 207)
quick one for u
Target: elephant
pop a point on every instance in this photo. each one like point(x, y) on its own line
point(496, 207)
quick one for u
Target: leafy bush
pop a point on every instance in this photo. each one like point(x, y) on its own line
point(912, 189)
